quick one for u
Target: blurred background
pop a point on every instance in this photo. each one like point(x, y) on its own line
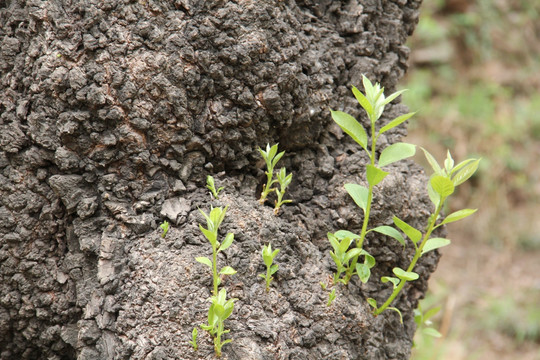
point(474, 80)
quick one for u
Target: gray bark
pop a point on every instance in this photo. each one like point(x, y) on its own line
point(113, 112)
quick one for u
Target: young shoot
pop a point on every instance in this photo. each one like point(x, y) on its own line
point(271, 157)
point(423, 321)
point(284, 180)
point(219, 311)
point(213, 221)
point(373, 102)
point(165, 227)
point(331, 297)
point(268, 257)
point(441, 186)
point(212, 187)
point(193, 341)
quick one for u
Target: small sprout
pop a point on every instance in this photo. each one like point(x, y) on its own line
point(268, 257)
point(323, 285)
point(213, 220)
point(212, 187)
point(423, 321)
point(331, 297)
point(219, 311)
point(271, 157)
point(165, 226)
point(193, 341)
point(284, 180)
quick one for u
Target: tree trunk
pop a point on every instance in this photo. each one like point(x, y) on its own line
point(112, 114)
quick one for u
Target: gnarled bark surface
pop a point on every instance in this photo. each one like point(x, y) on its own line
point(113, 112)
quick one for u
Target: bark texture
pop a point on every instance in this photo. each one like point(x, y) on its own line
point(113, 112)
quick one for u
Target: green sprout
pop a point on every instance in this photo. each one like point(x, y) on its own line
point(165, 227)
point(213, 221)
point(268, 257)
point(373, 103)
point(219, 311)
point(193, 341)
point(423, 320)
point(212, 187)
point(331, 297)
point(441, 185)
point(284, 180)
point(271, 157)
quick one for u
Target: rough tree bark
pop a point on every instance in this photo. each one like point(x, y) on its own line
point(112, 113)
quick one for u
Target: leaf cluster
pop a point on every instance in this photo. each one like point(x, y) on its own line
point(213, 221)
point(210, 184)
point(268, 257)
point(165, 227)
point(220, 310)
point(271, 157)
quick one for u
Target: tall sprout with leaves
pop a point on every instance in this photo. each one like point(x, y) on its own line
point(441, 186)
point(221, 308)
point(373, 102)
point(271, 157)
point(284, 181)
point(213, 221)
point(219, 311)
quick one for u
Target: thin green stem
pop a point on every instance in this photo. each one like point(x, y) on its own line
point(214, 270)
point(363, 233)
point(268, 278)
point(417, 255)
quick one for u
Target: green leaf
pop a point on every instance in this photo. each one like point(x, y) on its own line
point(362, 100)
point(351, 254)
point(435, 243)
point(405, 275)
point(411, 232)
point(430, 313)
point(277, 158)
point(363, 272)
point(351, 127)
point(393, 96)
point(204, 260)
point(227, 270)
point(369, 260)
point(368, 86)
point(227, 242)
point(390, 231)
point(393, 280)
point(449, 162)
point(374, 175)
point(442, 185)
point(273, 269)
point(465, 173)
point(336, 259)
point(396, 152)
point(359, 194)
point(431, 160)
point(431, 332)
point(226, 342)
point(211, 236)
point(458, 215)
point(342, 234)
point(373, 303)
point(396, 122)
point(433, 196)
point(460, 165)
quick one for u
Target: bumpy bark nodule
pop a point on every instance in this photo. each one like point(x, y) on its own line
point(113, 112)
